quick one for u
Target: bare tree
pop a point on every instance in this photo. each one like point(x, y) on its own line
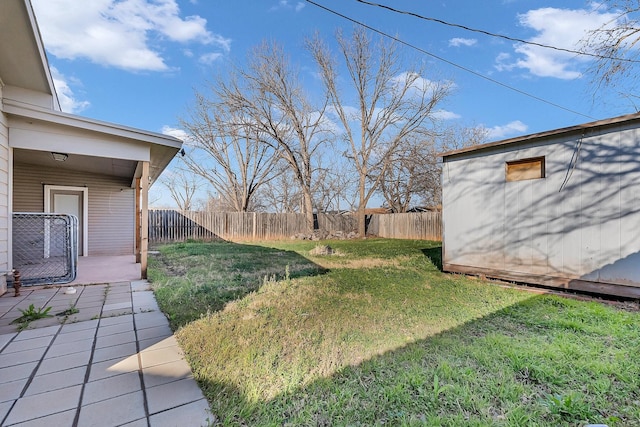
point(392, 104)
point(412, 174)
point(282, 194)
point(334, 187)
point(182, 186)
point(213, 202)
point(617, 43)
point(226, 150)
point(415, 171)
point(268, 94)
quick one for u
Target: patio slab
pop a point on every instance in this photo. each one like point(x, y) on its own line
point(116, 369)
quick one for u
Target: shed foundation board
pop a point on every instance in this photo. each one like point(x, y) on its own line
point(548, 281)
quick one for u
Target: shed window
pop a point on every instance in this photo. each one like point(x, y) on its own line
point(520, 170)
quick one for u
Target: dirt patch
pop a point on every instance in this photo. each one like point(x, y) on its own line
point(323, 250)
point(356, 263)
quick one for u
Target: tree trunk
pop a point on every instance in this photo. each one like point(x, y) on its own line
point(362, 230)
point(308, 209)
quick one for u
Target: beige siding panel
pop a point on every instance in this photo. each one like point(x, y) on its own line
point(4, 200)
point(111, 204)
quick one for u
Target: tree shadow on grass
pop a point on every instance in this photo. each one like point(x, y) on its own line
point(195, 278)
point(434, 255)
point(495, 370)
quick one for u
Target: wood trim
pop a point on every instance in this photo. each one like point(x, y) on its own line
point(85, 210)
point(548, 281)
point(138, 215)
point(144, 218)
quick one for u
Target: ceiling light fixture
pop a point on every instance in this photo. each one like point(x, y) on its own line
point(59, 157)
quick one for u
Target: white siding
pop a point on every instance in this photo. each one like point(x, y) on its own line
point(111, 204)
point(4, 200)
point(586, 228)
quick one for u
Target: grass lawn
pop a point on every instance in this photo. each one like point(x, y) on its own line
point(377, 335)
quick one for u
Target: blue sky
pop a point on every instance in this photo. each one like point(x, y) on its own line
point(137, 62)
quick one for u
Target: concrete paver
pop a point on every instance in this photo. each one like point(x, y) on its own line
point(192, 414)
point(115, 339)
point(40, 405)
point(69, 337)
point(18, 372)
point(171, 395)
point(69, 348)
point(113, 412)
point(36, 333)
point(12, 390)
point(56, 380)
point(59, 419)
point(166, 373)
point(62, 363)
point(108, 388)
point(27, 344)
point(160, 356)
point(4, 408)
point(20, 357)
point(115, 352)
point(115, 329)
point(110, 369)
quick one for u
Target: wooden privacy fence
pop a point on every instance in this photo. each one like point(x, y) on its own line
point(176, 226)
point(419, 225)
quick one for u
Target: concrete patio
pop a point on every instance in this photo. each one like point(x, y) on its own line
point(106, 269)
point(113, 363)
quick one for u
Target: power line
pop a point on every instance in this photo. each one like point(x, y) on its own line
point(502, 36)
point(453, 64)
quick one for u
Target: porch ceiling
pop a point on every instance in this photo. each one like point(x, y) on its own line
point(96, 165)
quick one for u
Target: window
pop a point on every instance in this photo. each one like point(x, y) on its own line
point(520, 170)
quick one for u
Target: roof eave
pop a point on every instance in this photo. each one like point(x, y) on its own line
point(628, 118)
point(57, 117)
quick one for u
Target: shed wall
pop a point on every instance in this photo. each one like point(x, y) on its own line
point(582, 221)
point(111, 204)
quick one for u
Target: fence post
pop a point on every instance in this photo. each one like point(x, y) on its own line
point(254, 225)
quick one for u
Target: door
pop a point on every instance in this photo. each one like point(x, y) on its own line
point(70, 200)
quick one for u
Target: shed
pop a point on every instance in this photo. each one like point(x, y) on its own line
point(559, 208)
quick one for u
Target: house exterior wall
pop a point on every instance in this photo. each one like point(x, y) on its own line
point(579, 226)
point(111, 204)
point(4, 200)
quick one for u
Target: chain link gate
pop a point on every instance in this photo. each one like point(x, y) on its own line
point(45, 247)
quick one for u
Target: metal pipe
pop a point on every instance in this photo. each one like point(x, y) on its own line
point(16, 283)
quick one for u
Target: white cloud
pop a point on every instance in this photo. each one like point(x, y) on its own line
point(68, 101)
point(286, 4)
point(419, 85)
point(515, 127)
point(209, 58)
point(457, 41)
point(446, 115)
point(118, 33)
point(175, 132)
point(563, 28)
point(504, 62)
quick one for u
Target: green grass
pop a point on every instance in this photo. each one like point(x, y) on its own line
point(377, 335)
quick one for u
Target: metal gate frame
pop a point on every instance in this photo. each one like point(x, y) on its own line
point(45, 247)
